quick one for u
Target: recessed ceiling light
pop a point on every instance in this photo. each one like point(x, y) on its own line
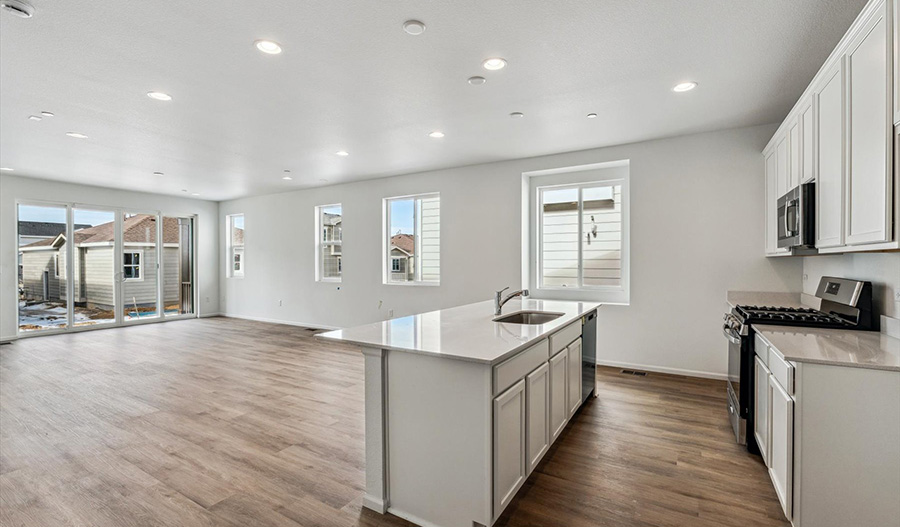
point(287, 178)
point(436, 134)
point(477, 81)
point(159, 96)
point(517, 115)
point(47, 114)
point(287, 175)
point(159, 174)
point(414, 27)
point(494, 64)
point(195, 193)
point(18, 8)
point(591, 116)
point(184, 190)
point(76, 135)
point(684, 86)
point(34, 117)
point(268, 46)
point(342, 153)
point(6, 169)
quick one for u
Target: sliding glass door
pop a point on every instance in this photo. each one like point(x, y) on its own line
point(140, 266)
point(94, 288)
point(82, 266)
point(178, 265)
point(41, 258)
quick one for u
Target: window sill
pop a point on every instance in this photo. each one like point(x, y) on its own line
point(618, 297)
point(329, 280)
point(413, 284)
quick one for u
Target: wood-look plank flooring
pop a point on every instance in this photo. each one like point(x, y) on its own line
point(224, 422)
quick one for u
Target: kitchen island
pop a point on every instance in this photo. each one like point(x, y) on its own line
point(460, 408)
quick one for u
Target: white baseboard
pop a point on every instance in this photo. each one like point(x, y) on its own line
point(661, 369)
point(276, 321)
point(207, 315)
point(9, 338)
point(373, 503)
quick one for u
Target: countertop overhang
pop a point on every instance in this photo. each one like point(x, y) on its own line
point(466, 332)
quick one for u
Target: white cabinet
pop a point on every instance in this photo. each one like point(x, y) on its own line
point(781, 443)
point(574, 376)
point(868, 198)
point(783, 168)
point(559, 414)
point(807, 141)
point(896, 9)
point(537, 416)
point(510, 463)
point(761, 408)
point(795, 153)
point(830, 182)
point(771, 211)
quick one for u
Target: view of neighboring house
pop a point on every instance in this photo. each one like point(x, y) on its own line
point(35, 231)
point(43, 275)
point(332, 236)
point(403, 260)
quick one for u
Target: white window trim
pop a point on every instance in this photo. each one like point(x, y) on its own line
point(322, 245)
point(229, 247)
point(615, 172)
point(140, 253)
point(386, 245)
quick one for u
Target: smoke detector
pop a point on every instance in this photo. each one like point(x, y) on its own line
point(18, 8)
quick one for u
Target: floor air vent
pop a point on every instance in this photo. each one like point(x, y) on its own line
point(632, 372)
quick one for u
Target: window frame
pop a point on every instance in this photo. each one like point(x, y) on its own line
point(322, 244)
point(580, 177)
point(230, 248)
point(387, 259)
point(140, 265)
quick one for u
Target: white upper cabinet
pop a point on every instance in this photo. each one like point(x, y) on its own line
point(795, 149)
point(868, 191)
point(807, 142)
point(841, 136)
point(830, 182)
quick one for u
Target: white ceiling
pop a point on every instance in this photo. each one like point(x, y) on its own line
point(351, 79)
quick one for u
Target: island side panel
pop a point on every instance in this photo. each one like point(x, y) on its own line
point(376, 497)
point(439, 439)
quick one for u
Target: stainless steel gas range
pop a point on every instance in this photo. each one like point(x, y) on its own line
point(845, 304)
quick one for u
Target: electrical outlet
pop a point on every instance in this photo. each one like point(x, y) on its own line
point(207, 300)
point(805, 277)
point(897, 296)
point(280, 303)
point(391, 313)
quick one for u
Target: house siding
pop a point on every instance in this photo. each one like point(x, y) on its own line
point(431, 239)
point(34, 263)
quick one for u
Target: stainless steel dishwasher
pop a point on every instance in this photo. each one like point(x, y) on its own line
point(588, 355)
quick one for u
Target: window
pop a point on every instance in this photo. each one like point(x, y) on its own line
point(131, 260)
point(329, 237)
point(236, 245)
point(580, 234)
point(413, 239)
point(56, 272)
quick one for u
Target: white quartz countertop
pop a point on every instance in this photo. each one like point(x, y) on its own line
point(838, 347)
point(465, 332)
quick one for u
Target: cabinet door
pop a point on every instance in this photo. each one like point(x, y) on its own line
point(771, 202)
point(896, 63)
point(807, 142)
point(831, 153)
point(761, 408)
point(781, 444)
point(537, 418)
point(574, 380)
point(782, 179)
point(795, 151)
point(558, 393)
point(869, 178)
point(510, 468)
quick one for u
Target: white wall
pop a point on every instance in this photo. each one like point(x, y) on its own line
point(882, 269)
point(14, 188)
point(696, 231)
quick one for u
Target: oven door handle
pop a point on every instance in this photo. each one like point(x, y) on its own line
point(732, 338)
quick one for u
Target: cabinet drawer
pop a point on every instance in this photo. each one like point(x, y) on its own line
point(782, 371)
point(511, 370)
point(564, 337)
point(761, 349)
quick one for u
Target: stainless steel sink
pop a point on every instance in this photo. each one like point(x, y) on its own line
point(528, 317)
